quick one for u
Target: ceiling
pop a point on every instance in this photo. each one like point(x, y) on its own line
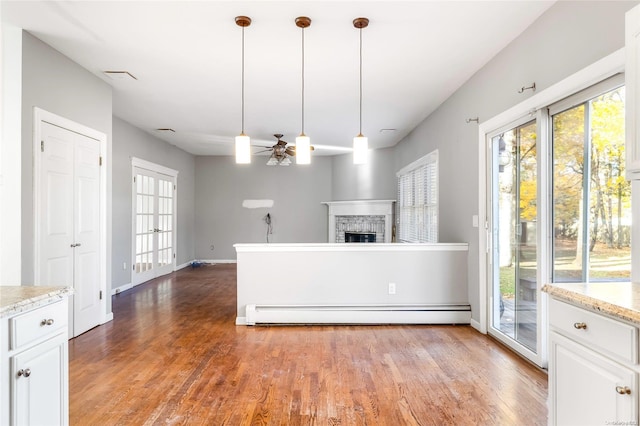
point(186, 57)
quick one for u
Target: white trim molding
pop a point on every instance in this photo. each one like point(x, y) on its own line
point(148, 165)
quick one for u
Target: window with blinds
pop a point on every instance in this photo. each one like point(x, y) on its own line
point(417, 206)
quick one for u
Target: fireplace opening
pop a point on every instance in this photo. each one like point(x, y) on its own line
point(359, 237)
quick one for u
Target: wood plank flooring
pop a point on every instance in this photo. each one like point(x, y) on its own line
point(173, 355)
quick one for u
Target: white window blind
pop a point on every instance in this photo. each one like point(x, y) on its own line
point(417, 216)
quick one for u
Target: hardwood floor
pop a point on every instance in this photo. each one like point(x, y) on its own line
point(173, 355)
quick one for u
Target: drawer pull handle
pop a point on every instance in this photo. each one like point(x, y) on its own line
point(25, 373)
point(623, 390)
point(46, 322)
point(580, 325)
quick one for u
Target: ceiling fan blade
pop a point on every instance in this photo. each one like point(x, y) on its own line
point(311, 148)
point(264, 150)
point(290, 151)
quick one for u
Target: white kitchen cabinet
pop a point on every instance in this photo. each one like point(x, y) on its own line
point(632, 101)
point(593, 368)
point(587, 385)
point(39, 382)
point(35, 366)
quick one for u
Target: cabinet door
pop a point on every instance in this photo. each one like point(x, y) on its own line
point(39, 384)
point(632, 101)
point(587, 388)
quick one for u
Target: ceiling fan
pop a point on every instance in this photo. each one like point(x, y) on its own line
point(280, 152)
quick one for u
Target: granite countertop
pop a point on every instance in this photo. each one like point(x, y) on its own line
point(617, 299)
point(16, 299)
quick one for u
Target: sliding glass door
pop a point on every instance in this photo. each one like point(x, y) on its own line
point(514, 283)
point(591, 197)
point(558, 209)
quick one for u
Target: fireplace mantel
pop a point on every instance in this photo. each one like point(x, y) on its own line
point(382, 208)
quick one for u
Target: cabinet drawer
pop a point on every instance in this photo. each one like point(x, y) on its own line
point(39, 323)
point(616, 338)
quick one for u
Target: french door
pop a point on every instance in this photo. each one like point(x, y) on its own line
point(153, 224)
point(513, 226)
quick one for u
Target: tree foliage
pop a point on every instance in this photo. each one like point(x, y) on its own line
point(598, 125)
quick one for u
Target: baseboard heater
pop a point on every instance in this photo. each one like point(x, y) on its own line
point(357, 314)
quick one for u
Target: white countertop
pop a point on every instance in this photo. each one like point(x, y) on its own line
point(300, 247)
point(16, 299)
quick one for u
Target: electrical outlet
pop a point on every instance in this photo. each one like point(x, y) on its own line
point(392, 288)
point(124, 266)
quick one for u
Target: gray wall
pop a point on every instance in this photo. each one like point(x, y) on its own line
point(567, 38)
point(375, 180)
point(130, 141)
point(56, 84)
point(297, 214)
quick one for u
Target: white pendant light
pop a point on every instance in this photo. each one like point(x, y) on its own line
point(303, 142)
point(243, 142)
point(360, 142)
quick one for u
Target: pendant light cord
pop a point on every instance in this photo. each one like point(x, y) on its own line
point(360, 82)
point(302, 81)
point(242, 80)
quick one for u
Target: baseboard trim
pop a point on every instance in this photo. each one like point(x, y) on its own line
point(120, 289)
point(214, 261)
point(108, 318)
point(184, 265)
point(475, 324)
point(241, 320)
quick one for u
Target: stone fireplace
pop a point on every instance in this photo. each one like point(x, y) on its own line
point(360, 216)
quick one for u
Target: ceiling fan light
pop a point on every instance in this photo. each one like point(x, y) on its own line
point(285, 162)
point(360, 149)
point(272, 161)
point(243, 149)
point(303, 149)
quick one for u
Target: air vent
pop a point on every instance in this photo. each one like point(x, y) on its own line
point(166, 130)
point(119, 75)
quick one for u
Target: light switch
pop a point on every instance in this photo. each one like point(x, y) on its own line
point(474, 220)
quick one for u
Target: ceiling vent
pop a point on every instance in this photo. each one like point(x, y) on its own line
point(119, 75)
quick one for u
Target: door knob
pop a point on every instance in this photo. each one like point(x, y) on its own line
point(25, 373)
point(623, 390)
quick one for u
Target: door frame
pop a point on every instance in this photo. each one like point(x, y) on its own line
point(42, 116)
point(606, 67)
point(156, 168)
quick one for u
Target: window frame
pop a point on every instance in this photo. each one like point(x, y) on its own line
point(427, 231)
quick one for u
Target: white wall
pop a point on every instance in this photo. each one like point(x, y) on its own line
point(297, 213)
point(567, 38)
point(130, 141)
point(10, 156)
point(53, 82)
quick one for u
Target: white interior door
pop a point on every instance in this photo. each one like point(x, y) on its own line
point(87, 300)
point(69, 221)
point(153, 224)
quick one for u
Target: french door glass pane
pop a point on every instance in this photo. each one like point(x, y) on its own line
point(514, 311)
point(591, 216)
